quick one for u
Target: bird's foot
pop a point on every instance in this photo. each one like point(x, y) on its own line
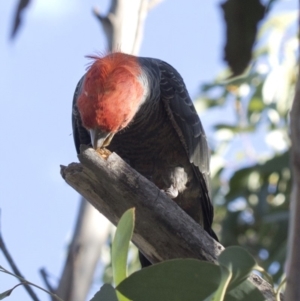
point(171, 192)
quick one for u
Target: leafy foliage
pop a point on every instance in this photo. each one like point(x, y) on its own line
point(180, 279)
point(251, 177)
point(120, 248)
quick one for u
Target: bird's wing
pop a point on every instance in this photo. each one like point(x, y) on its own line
point(189, 128)
point(80, 134)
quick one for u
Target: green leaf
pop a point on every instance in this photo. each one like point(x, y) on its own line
point(239, 262)
point(106, 293)
point(225, 280)
point(236, 265)
point(8, 292)
point(5, 294)
point(239, 181)
point(120, 247)
point(173, 280)
point(256, 104)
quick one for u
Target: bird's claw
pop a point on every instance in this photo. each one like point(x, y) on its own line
point(171, 192)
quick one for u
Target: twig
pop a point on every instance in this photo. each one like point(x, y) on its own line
point(15, 268)
point(27, 283)
point(44, 276)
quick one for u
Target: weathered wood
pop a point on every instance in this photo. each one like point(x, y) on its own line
point(162, 229)
point(124, 24)
point(112, 186)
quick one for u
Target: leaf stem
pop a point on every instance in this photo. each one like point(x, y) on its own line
point(24, 281)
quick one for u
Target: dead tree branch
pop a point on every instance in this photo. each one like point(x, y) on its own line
point(162, 230)
point(124, 24)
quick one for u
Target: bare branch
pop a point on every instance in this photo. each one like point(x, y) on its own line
point(22, 5)
point(162, 230)
point(15, 269)
point(142, 14)
point(124, 24)
point(44, 276)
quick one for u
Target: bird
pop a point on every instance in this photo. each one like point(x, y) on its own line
point(140, 108)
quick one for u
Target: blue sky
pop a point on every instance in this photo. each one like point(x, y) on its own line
point(39, 72)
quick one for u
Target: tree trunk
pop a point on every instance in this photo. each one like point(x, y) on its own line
point(292, 292)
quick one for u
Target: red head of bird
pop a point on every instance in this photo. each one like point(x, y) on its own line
point(111, 94)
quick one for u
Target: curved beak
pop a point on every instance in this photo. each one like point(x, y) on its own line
point(100, 139)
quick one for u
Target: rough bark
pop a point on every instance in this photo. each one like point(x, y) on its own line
point(293, 259)
point(162, 230)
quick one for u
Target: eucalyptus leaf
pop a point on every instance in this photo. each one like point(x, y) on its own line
point(225, 280)
point(8, 292)
point(106, 293)
point(120, 248)
point(239, 262)
point(5, 294)
point(120, 245)
point(173, 280)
